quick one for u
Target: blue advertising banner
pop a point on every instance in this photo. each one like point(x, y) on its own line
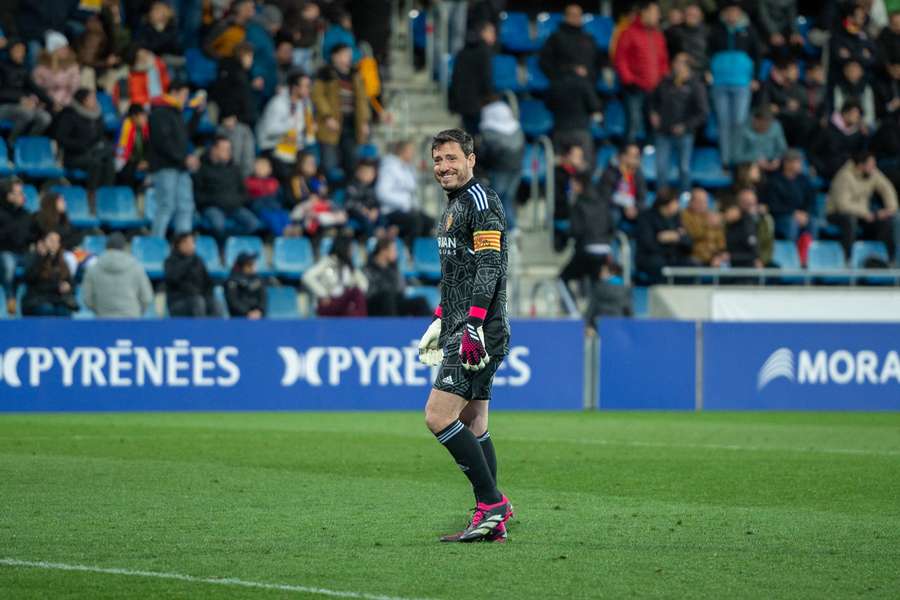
point(801, 366)
point(647, 365)
point(322, 364)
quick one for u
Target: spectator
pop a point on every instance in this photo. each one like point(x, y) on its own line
point(306, 177)
point(227, 33)
point(22, 101)
point(779, 24)
point(734, 48)
point(571, 164)
point(851, 206)
point(749, 235)
point(385, 296)
point(704, 227)
point(791, 198)
point(147, 80)
point(610, 297)
point(57, 71)
point(569, 46)
point(472, 82)
point(853, 84)
point(786, 98)
point(816, 92)
point(361, 200)
point(261, 33)
point(396, 191)
point(761, 141)
point(158, 33)
point(500, 154)
point(842, 138)
point(887, 92)
point(303, 23)
point(115, 285)
point(661, 240)
point(340, 33)
point(131, 149)
point(622, 185)
point(15, 236)
point(287, 126)
point(93, 50)
point(317, 215)
point(233, 90)
point(690, 37)
point(592, 229)
point(81, 135)
point(171, 162)
point(678, 107)
point(888, 43)
point(573, 102)
point(49, 281)
point(339, 287)
point(219, 192)
point(641, 61)
point(52, 216)
point(245, 291)
point(850, 41)
point(264, 194)
point(189, 288)
point(372, 25)
point(342, 110)
point(284, 58)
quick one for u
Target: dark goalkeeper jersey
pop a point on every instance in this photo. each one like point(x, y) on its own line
point(473, 248)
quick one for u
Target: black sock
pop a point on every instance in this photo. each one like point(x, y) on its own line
point(490, 457)
point(466, 451)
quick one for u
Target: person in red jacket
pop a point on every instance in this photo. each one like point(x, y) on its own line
point(642, 61)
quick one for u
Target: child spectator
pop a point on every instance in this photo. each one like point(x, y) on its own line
point(317, 215)
point(339, 287)
point(362, 204)
point(131, 149)
point(245, 290)
point(49, 281)
point(306, 176)
point(57, 71)
point(264, 192)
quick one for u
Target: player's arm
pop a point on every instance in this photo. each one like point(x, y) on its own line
point(487, 231)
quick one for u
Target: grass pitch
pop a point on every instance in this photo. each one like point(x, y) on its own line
point(609, 506)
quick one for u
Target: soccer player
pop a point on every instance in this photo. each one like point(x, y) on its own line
point(469, 335)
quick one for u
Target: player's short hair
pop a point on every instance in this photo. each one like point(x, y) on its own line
point(459, 136)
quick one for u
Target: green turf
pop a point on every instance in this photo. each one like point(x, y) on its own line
point(609, 505)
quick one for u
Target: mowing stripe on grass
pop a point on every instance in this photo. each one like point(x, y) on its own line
point(281, 587)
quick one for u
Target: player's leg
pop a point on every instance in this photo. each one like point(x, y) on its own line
point(475, 417)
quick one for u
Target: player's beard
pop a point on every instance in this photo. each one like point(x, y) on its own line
point(455, 179)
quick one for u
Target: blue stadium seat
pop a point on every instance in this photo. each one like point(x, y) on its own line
point(219, 298)
point(94, 244)
point(765, 67)
point(246, 243)
point(426, 260)
point(83, 311)
point(515, 33)
point(151, 252)
point(826, 228)
point(76, 175)
point(32, 199)
point(3, 313)
point(614, 119)
point(827, 255)
point(648, 167)
point(537, 81)
point(600, 27)
point(111, 119)
point(534, 162)
point(117, 208)
point(431, 294)
point(785, 255)
point(281, 303)
point(6, 166)
point(291, 257)
point(34, 157)
point(208, 252)
point(605, 154)
point(864, 249)
point(535, 118)
point(201, 69)
point(506, 75)
point(706, 168)
point(77, 206)
point(367, 152)
point(608, 89)
point(547, 23)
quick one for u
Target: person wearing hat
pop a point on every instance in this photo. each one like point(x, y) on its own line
point(189, 288)
point(761, 141)
point(116, 285)
point(245, 291)
point(22, 101)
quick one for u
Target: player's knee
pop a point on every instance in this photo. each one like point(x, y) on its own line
point(436, 420)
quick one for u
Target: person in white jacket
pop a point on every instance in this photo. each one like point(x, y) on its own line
point(396, 189)
point(115, 285)
point(338, 285)
point(287, 125)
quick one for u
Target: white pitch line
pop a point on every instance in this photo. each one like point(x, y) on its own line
point(230, 581)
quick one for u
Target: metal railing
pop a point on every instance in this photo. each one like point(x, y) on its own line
point(771, 275)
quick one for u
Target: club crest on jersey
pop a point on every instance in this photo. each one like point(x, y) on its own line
point(449, 222)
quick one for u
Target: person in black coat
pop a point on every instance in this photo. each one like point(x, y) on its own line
point(571, 164)
point(569, 46)
point(473, 78)
point(48, 280)
point(157, 32)
point(385, 294)
point(742, 231)
point(189, 288)
point(21, 100)
point(610, 297)
point(661, 240)
point(592, 229)
point(787, 98)
point(361, 201)
point(245, 291)
point(841, 139)
point(791, 198)
point(850, 42)
point(81, 135)
point(52, 216)
point(219, 192)
point(233, 90)
point(15, 235)
point(572, 100)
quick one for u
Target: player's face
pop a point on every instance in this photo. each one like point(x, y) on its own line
point(452, 168)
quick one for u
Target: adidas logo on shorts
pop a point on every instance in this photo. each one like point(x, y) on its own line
point(448, 380)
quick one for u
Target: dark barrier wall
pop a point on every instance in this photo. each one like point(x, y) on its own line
point(647, 365)
point(323, 364)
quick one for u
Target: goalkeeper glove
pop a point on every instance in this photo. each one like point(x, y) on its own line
point(471, 348)
point(430, 352)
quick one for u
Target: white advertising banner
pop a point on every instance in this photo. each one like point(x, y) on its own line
point(806, 305)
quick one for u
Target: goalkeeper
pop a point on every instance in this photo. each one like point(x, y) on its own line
point(469, 336)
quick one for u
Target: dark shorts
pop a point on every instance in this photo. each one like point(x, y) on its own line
point(470, 385)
